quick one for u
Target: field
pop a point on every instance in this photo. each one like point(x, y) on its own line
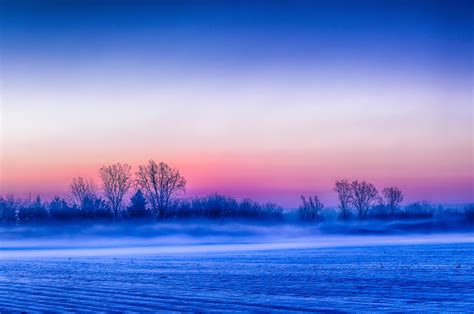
point(433, 276)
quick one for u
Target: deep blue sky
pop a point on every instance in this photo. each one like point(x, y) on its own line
point(412, 33)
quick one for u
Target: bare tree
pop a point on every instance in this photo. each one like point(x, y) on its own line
point(393, 197)
point(363, 194)
point(160, 183)
point(311, 209)
point(116, 181)
point(344, 192)
point(81, 189)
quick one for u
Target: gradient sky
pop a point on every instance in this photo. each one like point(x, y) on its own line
point(265, 99)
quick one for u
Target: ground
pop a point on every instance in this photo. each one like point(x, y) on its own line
point(422, 277)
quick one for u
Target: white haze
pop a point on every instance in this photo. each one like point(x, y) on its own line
point(198, 238)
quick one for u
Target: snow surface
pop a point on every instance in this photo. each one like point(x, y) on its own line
point(373, 273)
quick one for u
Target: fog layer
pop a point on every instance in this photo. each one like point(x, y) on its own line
point(211, 237)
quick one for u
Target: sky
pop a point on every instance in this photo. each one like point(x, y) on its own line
point(260, 99)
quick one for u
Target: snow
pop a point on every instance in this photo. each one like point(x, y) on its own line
point(428, 273)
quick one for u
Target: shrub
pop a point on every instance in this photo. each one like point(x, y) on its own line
point(469, 212)
point(310, 210)
point(418, 210)
point(59, 209)
point(33, 211)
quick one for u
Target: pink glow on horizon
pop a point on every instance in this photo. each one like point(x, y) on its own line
point(279, 179)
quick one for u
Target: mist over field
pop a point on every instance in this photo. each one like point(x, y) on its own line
point(202, 236)
point(215, 267)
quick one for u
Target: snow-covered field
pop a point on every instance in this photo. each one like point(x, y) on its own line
point(416, 273)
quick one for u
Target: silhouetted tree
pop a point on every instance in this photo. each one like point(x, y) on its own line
point(137, 208)
point(160, 183)
point(215, 206)
point(379, 211)
point(95, 208)
point(182, 208)
point(9, 209)
point(33, 211)
point(218, 206)
point(3, 209)
point(393, 197)
point(116, 181)
point(469, 212)
point(272, 210)
point(81, 189)
point(310, 210)
point(363, 194)
point(249, 209)
point(421, 209)
point(344, 192)
point(59, 209)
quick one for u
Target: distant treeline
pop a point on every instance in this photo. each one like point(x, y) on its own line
point(156, 190)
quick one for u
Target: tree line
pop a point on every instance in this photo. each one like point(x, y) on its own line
point(355, 195)
point(155, 190)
